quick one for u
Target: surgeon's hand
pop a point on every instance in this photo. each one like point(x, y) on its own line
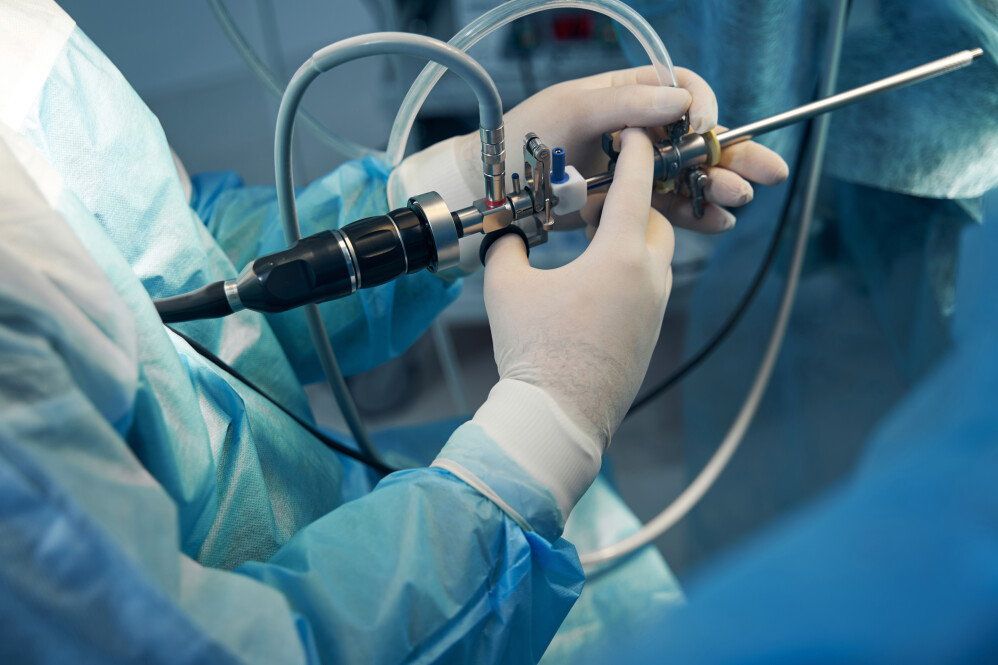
point(573, 344)
point(584, 333)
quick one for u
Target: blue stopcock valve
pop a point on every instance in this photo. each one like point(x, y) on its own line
point(567, 184)
point(558, 175)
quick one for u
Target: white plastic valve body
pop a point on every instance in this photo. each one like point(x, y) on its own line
point(571, 192)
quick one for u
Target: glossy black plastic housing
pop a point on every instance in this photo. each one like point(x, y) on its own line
point(208, 302)
point(416, 239)
point(312, 270)
point(374, 250)
point(388, 246)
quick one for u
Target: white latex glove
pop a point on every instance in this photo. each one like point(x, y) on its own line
point(573, 344)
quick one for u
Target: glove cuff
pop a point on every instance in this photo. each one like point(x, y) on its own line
point(533, 430)
point(443, 168)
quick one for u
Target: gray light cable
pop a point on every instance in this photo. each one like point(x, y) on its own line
point(709, 474)
point(353, 48)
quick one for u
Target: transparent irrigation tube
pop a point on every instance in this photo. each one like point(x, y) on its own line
point(709, 474)
point(491, 21)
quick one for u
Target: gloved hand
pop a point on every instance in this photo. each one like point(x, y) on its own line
point(573, 344)
point(574, 115)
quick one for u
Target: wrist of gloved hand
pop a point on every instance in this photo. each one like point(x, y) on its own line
point(536, 432)
point(444, 168)
point(577, 339)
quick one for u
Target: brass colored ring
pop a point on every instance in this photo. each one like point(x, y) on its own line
point(665, 186)
point(713, 147)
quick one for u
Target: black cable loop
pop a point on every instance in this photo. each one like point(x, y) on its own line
point(330, 442)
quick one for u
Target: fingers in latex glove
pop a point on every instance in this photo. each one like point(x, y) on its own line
point(699, 97)
point(724, 188)
point(755, 162)
point(703, 110)
point(626, 215)
point(676, 209)
point(609, 109)
point(584, 332)
point(728, 184)
point(679, 211)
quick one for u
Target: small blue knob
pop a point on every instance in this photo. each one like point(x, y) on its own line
point(558, 174)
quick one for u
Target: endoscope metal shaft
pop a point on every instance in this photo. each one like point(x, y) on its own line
point(916, 75)
point(754, 129)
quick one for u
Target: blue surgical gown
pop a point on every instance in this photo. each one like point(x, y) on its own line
point(155, 509)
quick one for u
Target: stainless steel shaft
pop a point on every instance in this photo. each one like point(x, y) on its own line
point(906, 78)
point(759, 127)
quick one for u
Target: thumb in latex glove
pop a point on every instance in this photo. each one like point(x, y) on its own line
point(573, 344)
point(582, 334)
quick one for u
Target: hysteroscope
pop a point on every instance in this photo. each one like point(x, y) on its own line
point(425, 234)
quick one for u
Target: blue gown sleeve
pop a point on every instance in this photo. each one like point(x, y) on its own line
point(118, 458)
point(442, 576)
point(366, 328)
point(424, 568)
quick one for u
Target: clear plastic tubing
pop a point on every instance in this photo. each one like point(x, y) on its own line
point(487, 23)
